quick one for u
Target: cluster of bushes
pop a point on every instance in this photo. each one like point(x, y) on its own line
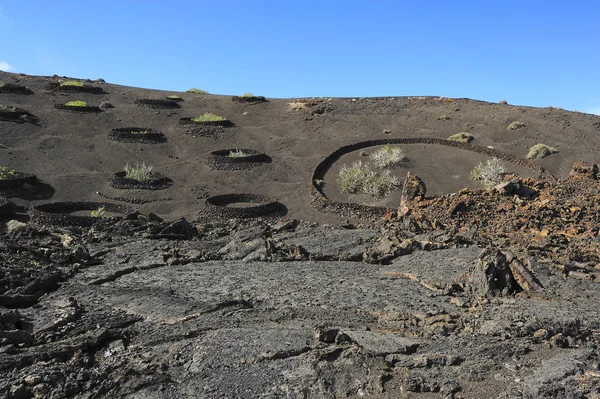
point(379, 183)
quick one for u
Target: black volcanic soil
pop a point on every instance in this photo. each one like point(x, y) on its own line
point(471, 294)
point(71, 153)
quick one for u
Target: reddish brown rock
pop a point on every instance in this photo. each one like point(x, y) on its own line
point(584, 169)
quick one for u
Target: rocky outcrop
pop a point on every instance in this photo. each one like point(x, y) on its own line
point(584, 170)
point(140, 307)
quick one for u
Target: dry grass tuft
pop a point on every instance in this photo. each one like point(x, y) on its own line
point(387, 157)
point(196, 91)
point(209, 117)
point(141, 173)
point(540, 151)
point(73, 83)
point(490, 173)
point(237, 154)
point(516, 125)
point(297, 105)
point(462, 137)
point(359, 178)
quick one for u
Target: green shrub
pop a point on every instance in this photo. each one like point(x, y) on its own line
point(515, 125)
point(196, 91)
point(237, 154)
point(5, 108)
point(247, 95)
point(174, 97)
point(6, 173)
point(540, 151)
point(359, 178)
point(490, 173)
point(76, 103)
point(140, 132)
point(462, 137)
point(98, 213)
point(141, 173)
point(387, 156)
point(209, 117)
point(73, 83)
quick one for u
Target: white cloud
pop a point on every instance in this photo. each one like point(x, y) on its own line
point(5, 66)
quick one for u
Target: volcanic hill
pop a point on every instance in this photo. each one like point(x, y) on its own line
point(237, 267)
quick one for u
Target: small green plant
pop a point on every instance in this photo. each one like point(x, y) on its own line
point(1, 84)
point(76, 103)
point(540, 151)
point(196, 91)
point(490, 173)
point(209, 117)
point(444, 118)
point(516, 125)
point(237, 154)
point(140, 132)
point(388, 156)
point(98, 213)
point(6, 173)
point(174, 97)
point(5, 108)
point(141, 173)
point(503, 102)
point(462, 137)
point(318, 182)
point(359, 178)
point(245, 95)
point(72, 83)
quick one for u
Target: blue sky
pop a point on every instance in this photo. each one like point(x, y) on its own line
point(536, 53)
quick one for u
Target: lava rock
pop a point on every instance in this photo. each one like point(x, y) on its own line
point(179, 228)
point(584, 169)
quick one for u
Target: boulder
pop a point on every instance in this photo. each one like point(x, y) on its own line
point(515, 186)
point(106, 104)
point(180, 228)
point(413, 187)
point(584, 169)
